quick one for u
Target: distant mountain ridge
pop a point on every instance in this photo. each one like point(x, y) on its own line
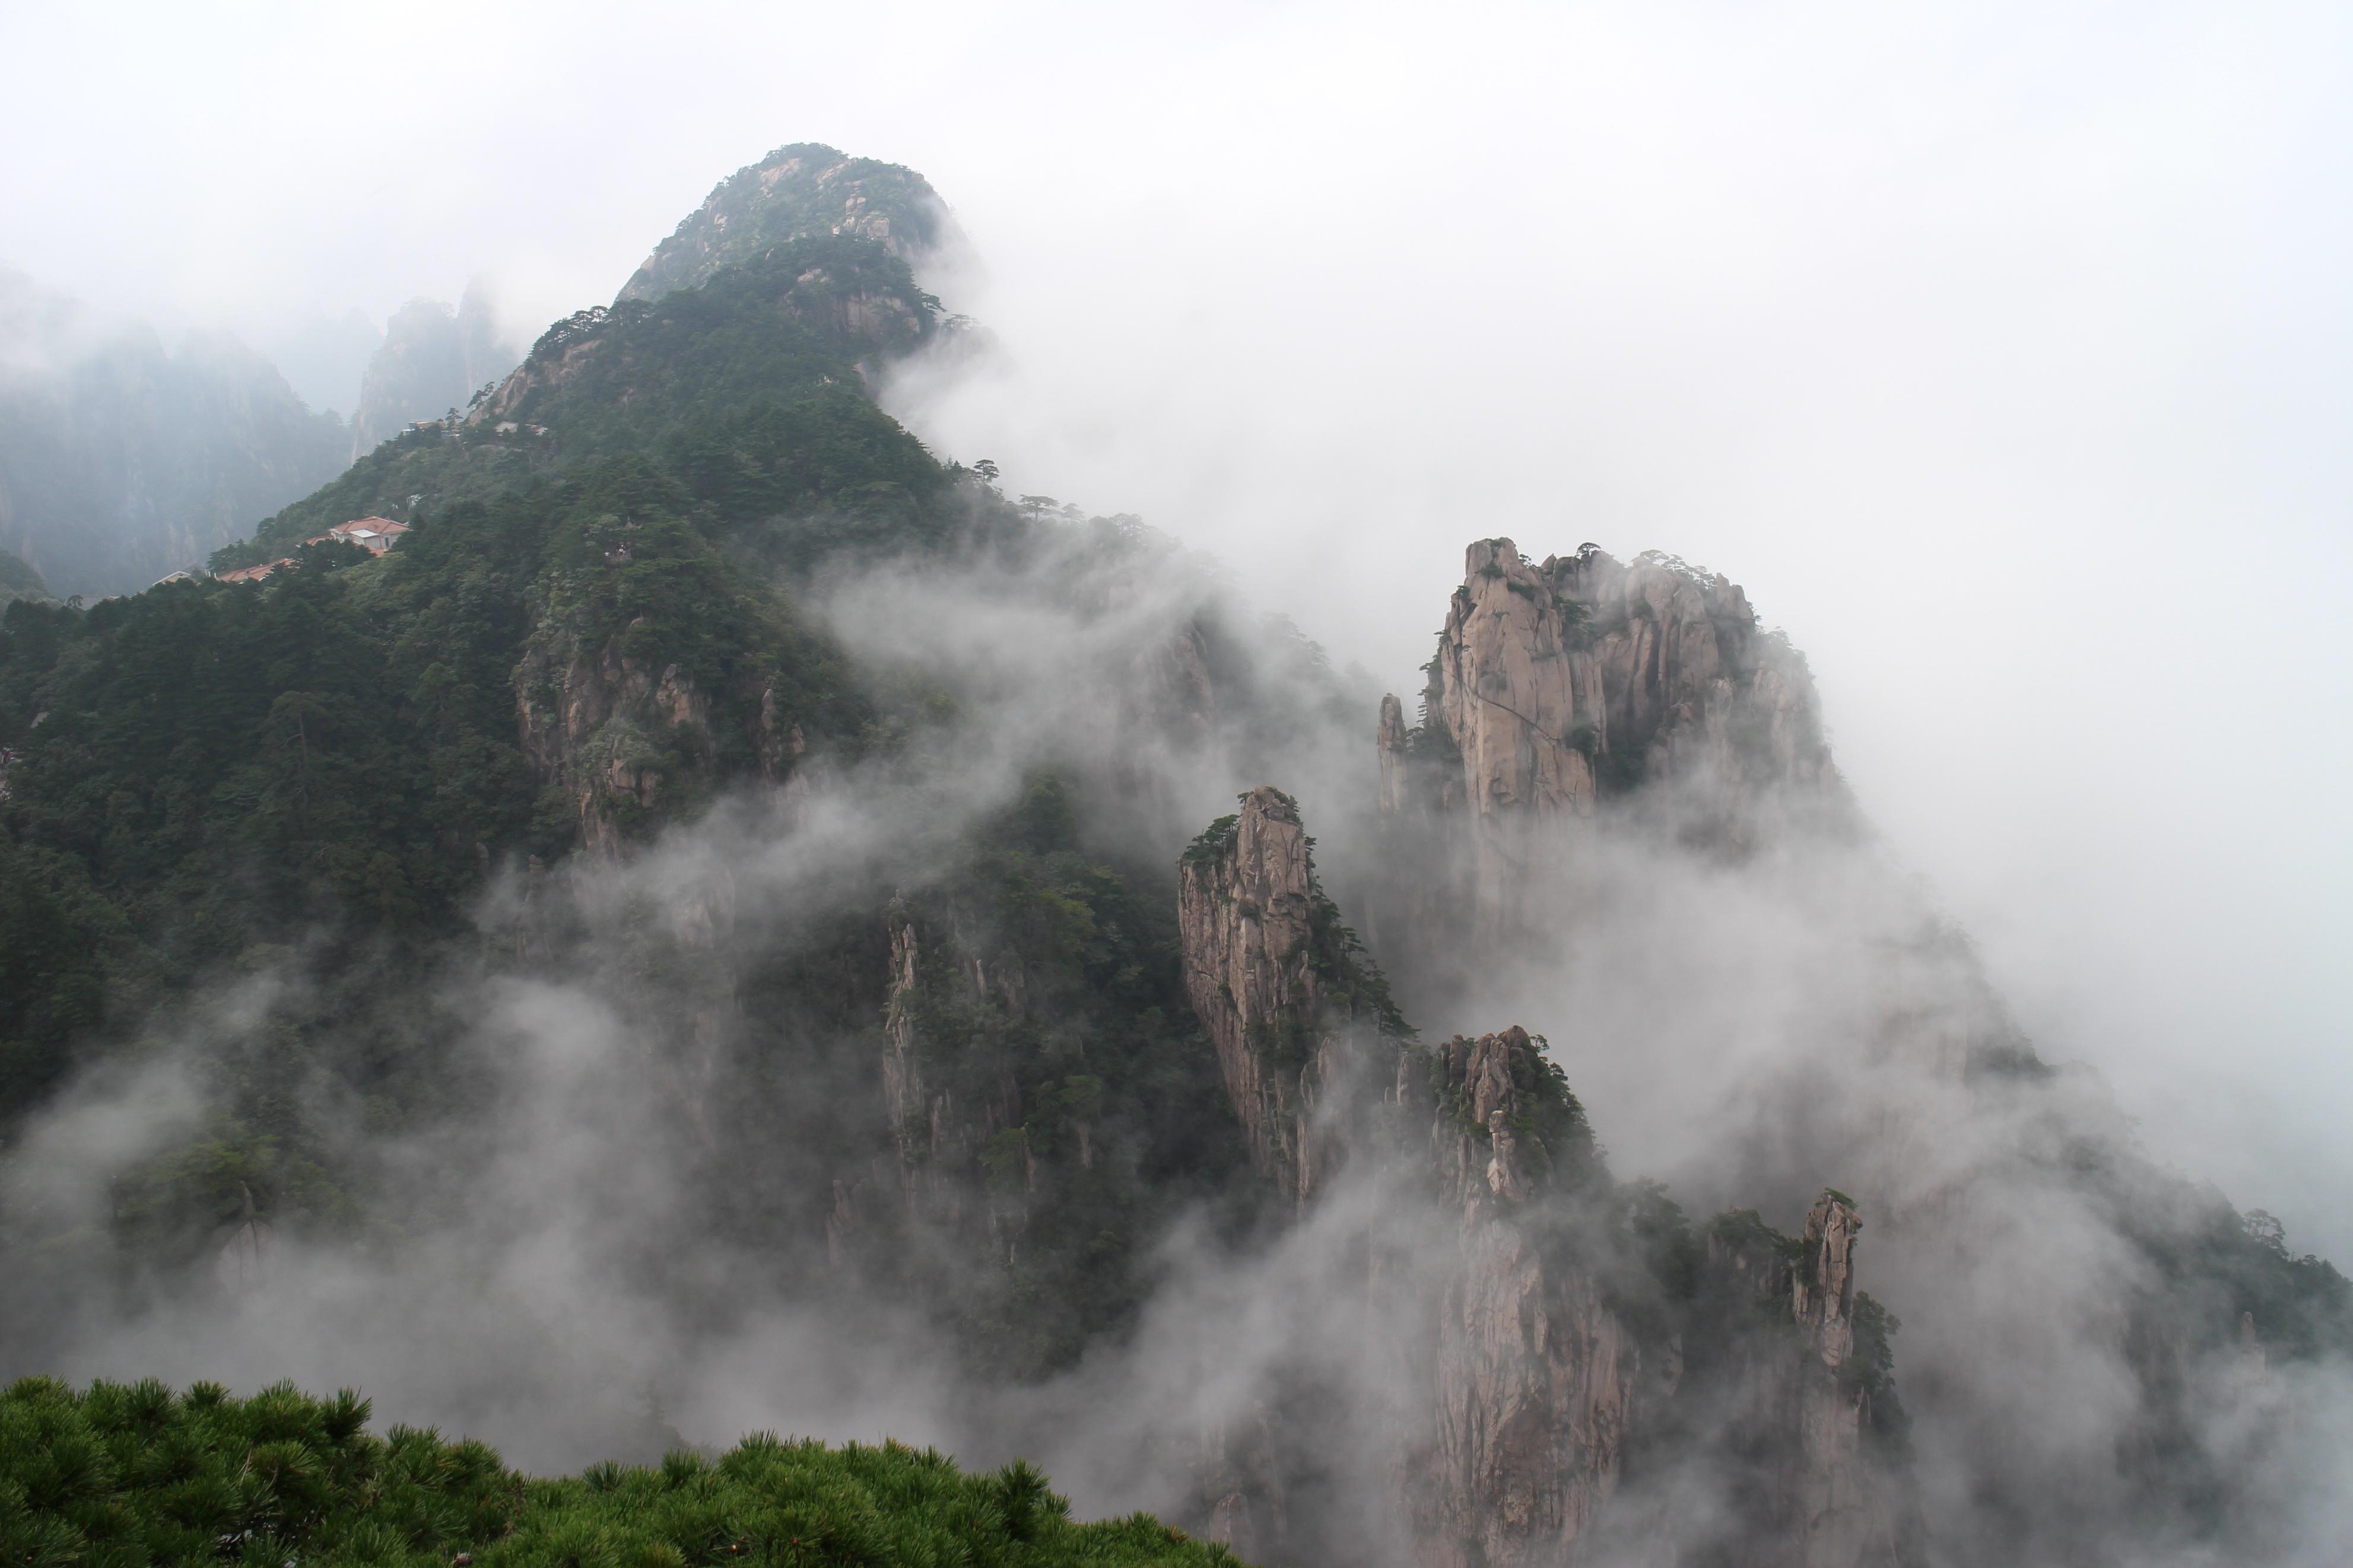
point(432, 360)
point(122, 461)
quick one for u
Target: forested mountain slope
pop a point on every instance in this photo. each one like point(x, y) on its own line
point(717, 920)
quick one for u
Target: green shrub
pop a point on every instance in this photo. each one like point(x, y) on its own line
point(120, 1476)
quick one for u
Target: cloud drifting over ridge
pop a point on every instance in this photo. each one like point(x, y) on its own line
point(569, 1284)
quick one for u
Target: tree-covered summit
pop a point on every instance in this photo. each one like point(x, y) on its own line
point(688, 380)
point(800, 191)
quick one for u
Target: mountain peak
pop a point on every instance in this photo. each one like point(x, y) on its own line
point(796, 191)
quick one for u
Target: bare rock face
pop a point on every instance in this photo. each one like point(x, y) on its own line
point(1521, 692)
point(1690, 687)
point(1533, 1376)
point(622, 737)
point(1839, 1513)
point(1390, 738)
point(1558, 685)
point(1532, 1372)
point(913, 1118)
point(607, 728)
point(876, 321)
point(1304, 1033)
point(1245, 913)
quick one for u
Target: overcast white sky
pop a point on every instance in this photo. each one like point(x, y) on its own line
point(2000, 350)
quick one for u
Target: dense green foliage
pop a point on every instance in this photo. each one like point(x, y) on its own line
point(313, 778)
point(123, 1475)
point(330, 759)
point(1348, 979)
point(208, 775)
point(748, 391)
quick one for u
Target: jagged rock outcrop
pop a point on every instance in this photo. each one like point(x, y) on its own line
point(561, 353)
point(1520, 689)
point(960, 1138)
point(1797, 1397)
point(1843, 1511)
point(1557, 685)
point(607, 730)
point(1292, 1016)
point(922, 1120)
point(1533, 1397)
point(1245, 913)
point(1534, 1376)
point(1394, 742)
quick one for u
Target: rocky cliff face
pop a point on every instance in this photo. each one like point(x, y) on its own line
point(1243, 907)
point(619, 736)
point(1534, 1376)
point(1741, 1409)
point(1602, 747)
point(607, 729)
point(1520, 688)
point(794, 192)
point(1292, 1027)
point(1799, 1404)
point(1560, 684)
point(1845, 1506)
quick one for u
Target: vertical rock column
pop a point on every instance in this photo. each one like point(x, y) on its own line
point(1847, 1509)
point(1390, 739)
point(1524, 708)
point(1534, 1374)
point(1795, 1416)
point(902, 1080)
point(1245, 913)
point(1515, 690)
